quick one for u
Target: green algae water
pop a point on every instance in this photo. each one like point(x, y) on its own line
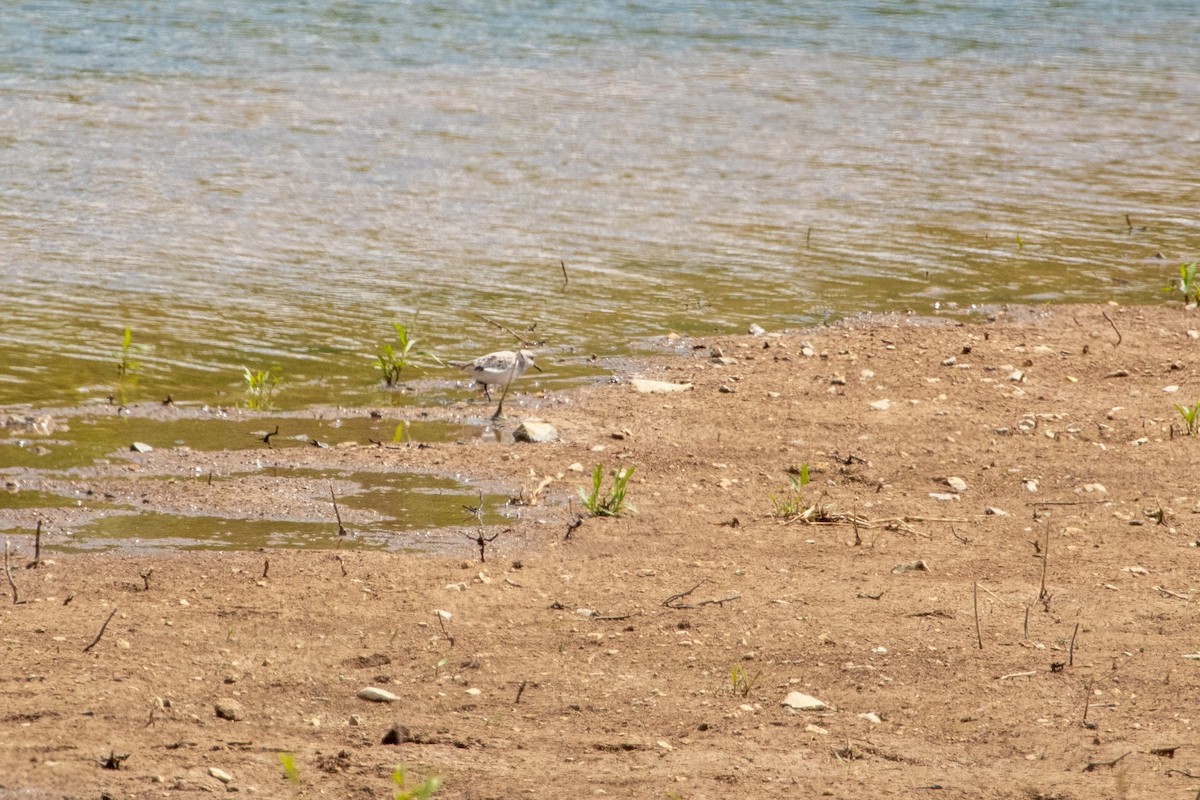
point(269, 185)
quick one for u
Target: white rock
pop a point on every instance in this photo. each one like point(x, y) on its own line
point(799, 701)
point(535, 432)
point(474, 692)
point(957, 484)
point(756, 329)
point(1136, 570)
point(1030, 485)
point(1172, 389)
point(446, 615)
point(658, 387)
point(944, 496)
point(817, 729)
point(376, 695)
point(576, 467)
point(456, 587)
point(871, 717)
point(881, 405)
point(220, 774)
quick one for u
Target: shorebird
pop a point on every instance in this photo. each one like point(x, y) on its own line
point(498, 369)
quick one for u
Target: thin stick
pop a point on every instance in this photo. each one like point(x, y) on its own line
point(566, 280)
point(1017, 675)
point(336, 513)
point(1025, 629)
point(1045, 561)
point(975, 597)
point(266, 567)
point(682, 595)
point(8, 574)
point(720, 601)
point(502, 327)
point(1114, 327)
point(102, 629)
point(442, 624)
point(993, 594)
point(1087, 699)
point(520, 691)
point(1091, 765)
point(1071, 649)
point(37, 545)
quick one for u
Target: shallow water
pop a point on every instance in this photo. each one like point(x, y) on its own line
point(271, 184)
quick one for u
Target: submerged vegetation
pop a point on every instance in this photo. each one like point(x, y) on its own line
point(261, 387)
point(127, 369)
point(393, 360)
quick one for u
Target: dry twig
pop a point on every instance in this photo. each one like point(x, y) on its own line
point(8, 574)
point(103, 628)
point(1091, 765)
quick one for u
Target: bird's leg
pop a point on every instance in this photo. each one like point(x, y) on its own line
point(487, 391)
point(500, 407)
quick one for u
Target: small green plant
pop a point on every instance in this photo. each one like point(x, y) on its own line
point(795, 505)
point(612, 504)
point(261, 387)
point(742, 681)
point(393, 360)
point(127, 368)
point(422, 791)
point(791, 504)
point(288, 762)
point(1191, 417)
point(1188, 283)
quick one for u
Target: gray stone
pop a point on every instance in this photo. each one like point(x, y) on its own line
point(535, 432)
point(230, 709)
point(376, 695)
point(798, 701)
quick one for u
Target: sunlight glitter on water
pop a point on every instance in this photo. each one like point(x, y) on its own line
point(272, 186)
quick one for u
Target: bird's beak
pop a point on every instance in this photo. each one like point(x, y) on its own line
point(535, 366)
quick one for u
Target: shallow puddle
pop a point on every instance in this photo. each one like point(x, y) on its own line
point(87, 440)
point(157, 531)
point(43, 479)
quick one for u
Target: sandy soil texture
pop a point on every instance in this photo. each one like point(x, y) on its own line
point(990, 582)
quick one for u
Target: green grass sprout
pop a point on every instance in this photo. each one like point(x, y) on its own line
point(613, 503)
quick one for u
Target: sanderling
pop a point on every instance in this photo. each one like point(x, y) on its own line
point(498, 369)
